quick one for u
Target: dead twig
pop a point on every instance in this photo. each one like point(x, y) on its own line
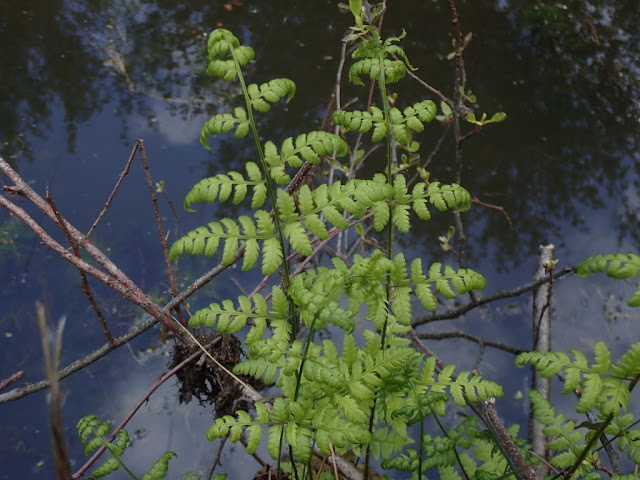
point(83, 276)
point(51, 349)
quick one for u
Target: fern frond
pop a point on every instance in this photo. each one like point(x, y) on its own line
point(159, 468)
point(618, 266)
point(412, 118)
point(221, 186)
point(224, 47)
point(224, 123)
point(445, 197)
point(463, 281)
point(372, 67)
point(603, 384)
point(111, 465)
point(206, 240)
point(271, 92)
point(229, 318)
point(310, 147)
point(362, 121)
point(474, 388)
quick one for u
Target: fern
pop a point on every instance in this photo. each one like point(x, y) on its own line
point(221, 186)
point(224, 123)
point(603, 385)
point(271, 92)
point(91, 426)
point(618, 266)
point(565, 438)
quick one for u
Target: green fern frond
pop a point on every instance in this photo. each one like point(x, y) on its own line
point(206, 240)
point(411, 119)
point(109, 466)
point(271, 92)
point(224, 123)
point(426, 404)
point(475, 388)
point(362, 122)
point(372, 67)
point(310, 147)
point(618, 266)
point(463, 281)
point(234, 427)
point(445, 197)
point(229, 318)
point(90, 426)
point(221, 186)
point(602, 384)
point(224, 50)
point(159, 469)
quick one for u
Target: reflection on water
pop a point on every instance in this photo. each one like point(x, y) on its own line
point(81, 80)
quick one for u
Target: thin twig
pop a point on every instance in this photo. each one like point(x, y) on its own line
point(163, 239)
point(457, 312)
point(495, 207)
point(83, 276)
point(113, 192)
point(471, 338)
point(52, 362)
point(141, 401)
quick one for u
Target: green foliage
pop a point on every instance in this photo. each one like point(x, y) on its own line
point(402, 123)
point(92, 432)
point(617, 265)
point(603, 385)
point(361, 394)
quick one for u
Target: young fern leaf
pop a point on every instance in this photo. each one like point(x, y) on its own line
point(159, 468)
point(229, 319)
point(475, 388)
point(228, 425)
point(362, 122)
point(463, 281)
point(91, 426)
point(271, 92)
point(206, 240)
point(565, 438)
point(224, 51)
point(413, 118)
point(618, 266)
point(603, 385)
point(311, 147)
point(372, 67)
point(224, 123)
point(221, 187)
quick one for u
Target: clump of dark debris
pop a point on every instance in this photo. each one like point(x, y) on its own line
point(204, 380)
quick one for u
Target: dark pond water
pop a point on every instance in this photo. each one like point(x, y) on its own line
point(81, 80)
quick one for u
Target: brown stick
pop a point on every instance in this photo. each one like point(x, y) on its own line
point(51, 362)
point(14, 377)
point(83, 276)
point(163, 238)
point(113, 192)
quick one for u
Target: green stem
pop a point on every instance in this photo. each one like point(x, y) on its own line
point(421, 440)
point(385, 108)
point(106, 445)
point(270, 191)
point(286, 280)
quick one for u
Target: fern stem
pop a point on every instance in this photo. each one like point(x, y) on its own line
point(106, 445)
point(270, 190)
point(385, 107)
point(421, 440)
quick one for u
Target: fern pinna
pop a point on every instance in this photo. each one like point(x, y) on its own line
point(91, 432)
point(328, 392)
point(604, 387)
